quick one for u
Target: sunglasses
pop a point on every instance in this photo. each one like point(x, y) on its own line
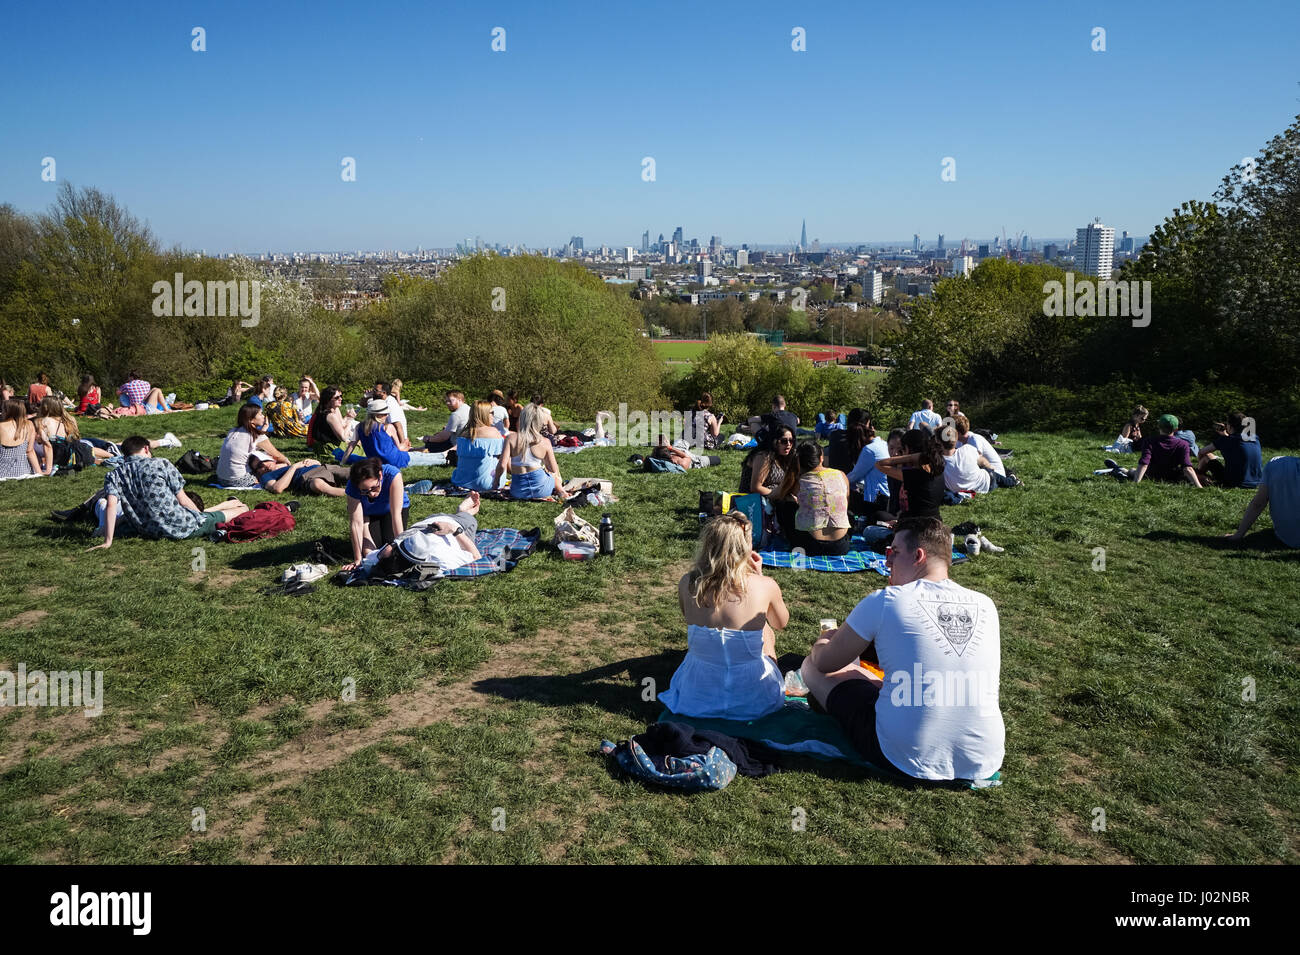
point(785, 440)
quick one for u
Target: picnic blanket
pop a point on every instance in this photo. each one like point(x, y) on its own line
point(501, 548)
point(447, 489)
point(860, 557)
point(795, 728)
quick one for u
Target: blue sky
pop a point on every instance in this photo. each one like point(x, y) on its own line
point(239, 148)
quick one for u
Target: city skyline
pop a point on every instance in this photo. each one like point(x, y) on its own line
point(242, 146)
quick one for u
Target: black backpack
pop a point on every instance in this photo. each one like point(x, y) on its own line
point(191, 462)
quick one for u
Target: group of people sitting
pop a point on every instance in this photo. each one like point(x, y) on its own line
point(1232, 458)
point(136, 396)
point(813, 493)
point(50, 441)
point(486, 440)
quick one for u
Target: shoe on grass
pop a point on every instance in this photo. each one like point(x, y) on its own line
point(988, 545)
point(169, 440)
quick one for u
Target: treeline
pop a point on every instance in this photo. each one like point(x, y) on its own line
point(730, 316)
point(78, 295)
point(1224, 322)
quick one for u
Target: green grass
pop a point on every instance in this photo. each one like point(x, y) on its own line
point(679, 351)
point(486, 699)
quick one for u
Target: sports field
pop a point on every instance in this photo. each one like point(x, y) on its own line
point(1150, 705)
point(675, 350)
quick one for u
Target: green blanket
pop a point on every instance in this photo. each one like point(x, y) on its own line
point(796, 728)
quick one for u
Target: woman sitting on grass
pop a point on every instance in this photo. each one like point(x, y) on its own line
point(284, 415)
point(379, 439)
point(247, 435)
point(56, 429)
point(731, 613)
point(478, 451)
point(330, 429)
point(821, 523)
point(534, 475)
point(90, 400)
point(921, 470)
point(17, 443)
point(1130, 436)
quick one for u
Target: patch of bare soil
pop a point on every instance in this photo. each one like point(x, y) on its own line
point(25, 620)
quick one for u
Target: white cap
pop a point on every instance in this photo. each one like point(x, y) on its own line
point(260, 455)
point(377, 406)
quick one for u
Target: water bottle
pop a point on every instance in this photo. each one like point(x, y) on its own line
point(606, 535)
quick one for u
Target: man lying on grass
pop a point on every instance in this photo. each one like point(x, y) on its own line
point(443, 539)
point(939, 647)
point(304, 477)
point(146, 496)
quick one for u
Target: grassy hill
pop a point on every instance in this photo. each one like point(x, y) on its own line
point(485, 699)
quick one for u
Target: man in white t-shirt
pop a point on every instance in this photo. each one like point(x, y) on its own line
point(936, 716)
point(445, 439)
point(965, 469)
point(977, 441)
point(926, 417)
point(500, 416)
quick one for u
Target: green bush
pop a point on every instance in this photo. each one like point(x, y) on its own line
point(559, 331)
point(1104, 408)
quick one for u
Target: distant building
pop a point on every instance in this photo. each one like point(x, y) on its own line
point(1050, 251)
point(873, 288)
point(1127, 244)
point(962, 265)
point(704, 269)
point(941, 246)
point(1024, 243)
point(637, 273)
point(803, 236)
point(1096, 249)
point(645, 241)
point(916, 244)
point(629, 254)
point(983, 251)
point(742, 258)
point(677, 237)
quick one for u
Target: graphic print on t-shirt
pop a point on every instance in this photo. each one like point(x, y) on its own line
point(955, 618)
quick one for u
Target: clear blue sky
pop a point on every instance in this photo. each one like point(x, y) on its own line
point(239, 147)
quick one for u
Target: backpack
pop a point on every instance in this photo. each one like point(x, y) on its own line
point(268, 519)
point(712, 771)
point(191, 462)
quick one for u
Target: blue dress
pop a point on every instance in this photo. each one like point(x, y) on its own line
point(476, 462)
point(725, 676)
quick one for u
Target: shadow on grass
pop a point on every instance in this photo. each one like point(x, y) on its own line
point(601, 686)
point(1256, 543)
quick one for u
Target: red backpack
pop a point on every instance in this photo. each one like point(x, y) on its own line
point(268, 519)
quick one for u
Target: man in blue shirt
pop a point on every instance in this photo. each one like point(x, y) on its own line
point(1243, 459)
point(1279, 491)
point(926, 417)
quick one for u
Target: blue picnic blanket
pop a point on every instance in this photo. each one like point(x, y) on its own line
point(860, 557)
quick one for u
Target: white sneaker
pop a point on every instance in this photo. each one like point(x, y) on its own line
point(989, 546)
point(973, 542)
point(169, 440)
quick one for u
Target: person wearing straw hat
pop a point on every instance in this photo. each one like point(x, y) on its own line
point(377, 438)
